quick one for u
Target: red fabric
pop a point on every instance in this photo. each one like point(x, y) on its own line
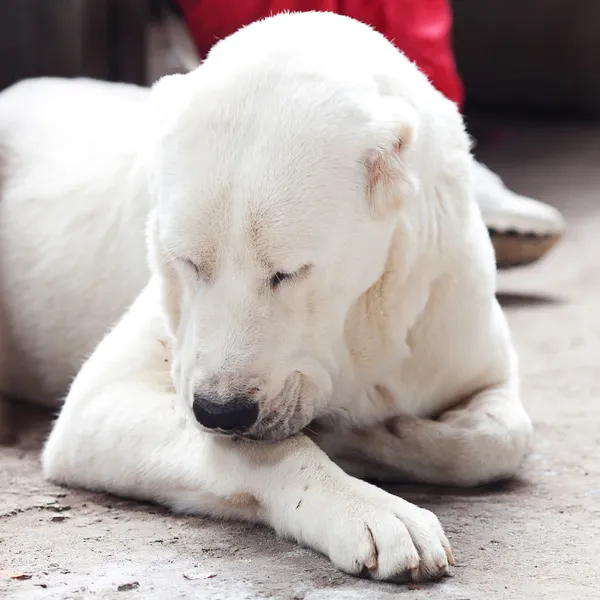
point(420, 28)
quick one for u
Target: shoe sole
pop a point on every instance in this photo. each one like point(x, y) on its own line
point(516, 249)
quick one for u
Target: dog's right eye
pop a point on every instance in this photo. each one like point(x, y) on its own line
point(279, 278)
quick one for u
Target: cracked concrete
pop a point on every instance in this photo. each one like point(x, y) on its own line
point(537, 537)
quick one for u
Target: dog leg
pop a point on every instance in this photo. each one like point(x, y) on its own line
point(481, 441)
point(121, 430)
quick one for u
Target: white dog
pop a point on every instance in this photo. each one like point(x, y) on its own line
point(321, 281)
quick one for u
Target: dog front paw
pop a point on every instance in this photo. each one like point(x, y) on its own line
point(369, 532)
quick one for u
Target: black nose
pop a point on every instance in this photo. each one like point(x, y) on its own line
point(233, 414)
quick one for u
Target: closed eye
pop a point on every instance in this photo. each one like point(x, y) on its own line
point(192, 266)
point(281, 276)
point(199, 272)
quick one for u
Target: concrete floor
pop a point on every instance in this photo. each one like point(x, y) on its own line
point(538, 537)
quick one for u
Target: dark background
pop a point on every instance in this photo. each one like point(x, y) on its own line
point(512, 54)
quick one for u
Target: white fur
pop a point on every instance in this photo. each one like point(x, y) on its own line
point(305, 143)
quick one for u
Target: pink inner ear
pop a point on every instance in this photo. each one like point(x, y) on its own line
point(374, 167)
point(378, 166)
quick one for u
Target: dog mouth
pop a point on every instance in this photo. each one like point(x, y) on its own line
point(277, 426)
point(273, 428)
point(282, 417)
point(291, 416)
point(294, 413)
point(275, 431)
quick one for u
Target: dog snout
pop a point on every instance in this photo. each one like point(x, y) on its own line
point(230, 415)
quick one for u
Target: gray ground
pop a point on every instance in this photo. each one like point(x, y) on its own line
point(538, 537)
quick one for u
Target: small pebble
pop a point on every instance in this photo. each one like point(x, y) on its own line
point(196, 575)
point(125, 587)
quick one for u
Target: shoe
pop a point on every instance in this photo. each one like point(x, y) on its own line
point(522, 230)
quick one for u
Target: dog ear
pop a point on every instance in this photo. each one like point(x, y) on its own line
point(166, 93)
point(389, 177)
point(164, 100)
point(152, 242)
point(169, 282)
point(167, 99)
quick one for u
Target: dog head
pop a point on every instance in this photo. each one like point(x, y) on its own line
point(276, 199)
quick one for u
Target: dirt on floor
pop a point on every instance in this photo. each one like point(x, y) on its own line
point(536, 537)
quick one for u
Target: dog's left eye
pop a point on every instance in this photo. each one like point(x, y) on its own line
point(279, 278)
